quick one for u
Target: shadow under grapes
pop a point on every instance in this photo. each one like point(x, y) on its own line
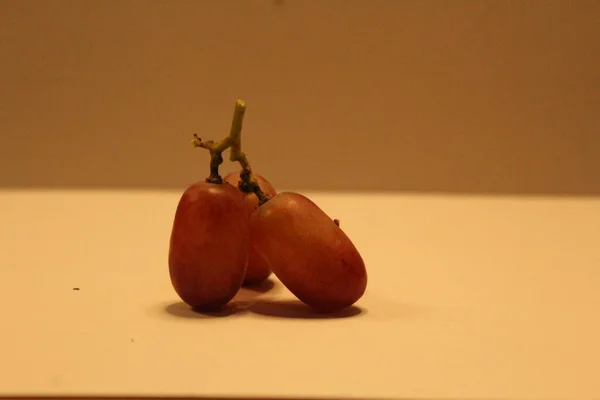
point(249, 299)
point(238, 305)
point(295, 309)
point(183, 310)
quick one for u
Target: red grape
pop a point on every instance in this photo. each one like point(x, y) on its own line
point(308, 252)
point(257, 270)
point(209, 245)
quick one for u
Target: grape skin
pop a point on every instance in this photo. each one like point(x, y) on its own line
point(308, 252)
point(209, 244)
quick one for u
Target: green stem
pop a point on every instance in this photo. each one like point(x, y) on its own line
point(235, 133)
point(248, 182)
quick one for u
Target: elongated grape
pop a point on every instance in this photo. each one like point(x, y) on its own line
point(258, 270)
point(209, 245)
point(308, 252)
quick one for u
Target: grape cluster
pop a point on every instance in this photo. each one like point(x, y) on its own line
point(237, 231)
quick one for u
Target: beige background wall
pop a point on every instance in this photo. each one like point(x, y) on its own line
point(458, 96)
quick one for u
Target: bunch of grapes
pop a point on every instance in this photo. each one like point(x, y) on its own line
point(236, 231)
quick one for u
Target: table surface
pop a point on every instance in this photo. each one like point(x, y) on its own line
point(469, 297)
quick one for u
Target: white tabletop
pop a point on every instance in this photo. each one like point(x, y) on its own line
point(468, 297)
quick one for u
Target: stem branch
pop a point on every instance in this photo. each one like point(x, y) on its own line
point(248, 182)
point(216, 156)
